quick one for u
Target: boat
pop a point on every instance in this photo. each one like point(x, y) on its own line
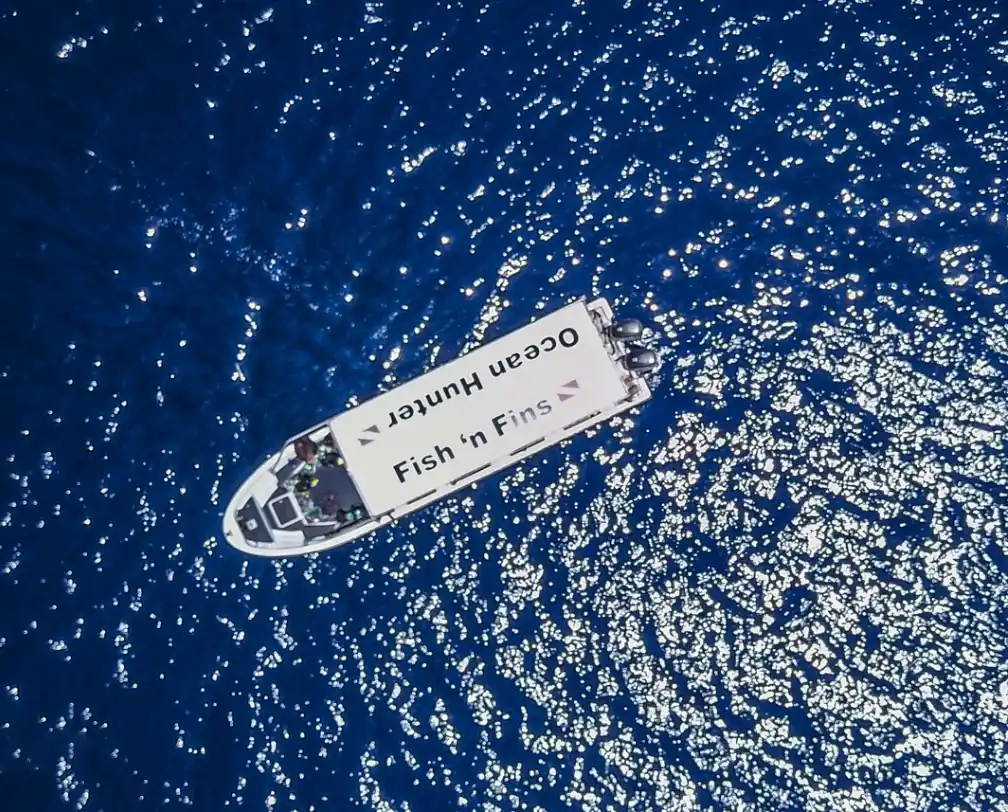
point(368, 467)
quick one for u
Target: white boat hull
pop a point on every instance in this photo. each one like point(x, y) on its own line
point(440, 433)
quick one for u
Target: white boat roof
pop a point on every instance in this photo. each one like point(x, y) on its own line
point(443, 425)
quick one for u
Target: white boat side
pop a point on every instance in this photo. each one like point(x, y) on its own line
point(442, 431)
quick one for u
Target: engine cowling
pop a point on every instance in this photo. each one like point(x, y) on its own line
point(640, 360)
point(625, 330)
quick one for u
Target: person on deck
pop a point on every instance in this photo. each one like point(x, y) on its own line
point(306, 450)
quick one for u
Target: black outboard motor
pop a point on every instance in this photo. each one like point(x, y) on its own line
point(625, 330)
point(640, 360)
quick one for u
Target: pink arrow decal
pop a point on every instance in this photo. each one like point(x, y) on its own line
point(562, 396)
point(365, 440)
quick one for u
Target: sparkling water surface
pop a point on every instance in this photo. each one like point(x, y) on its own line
point(780, 586)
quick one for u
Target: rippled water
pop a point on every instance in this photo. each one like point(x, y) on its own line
point(781, 586)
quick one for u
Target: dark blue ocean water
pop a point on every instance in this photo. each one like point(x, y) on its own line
point(780, 587)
